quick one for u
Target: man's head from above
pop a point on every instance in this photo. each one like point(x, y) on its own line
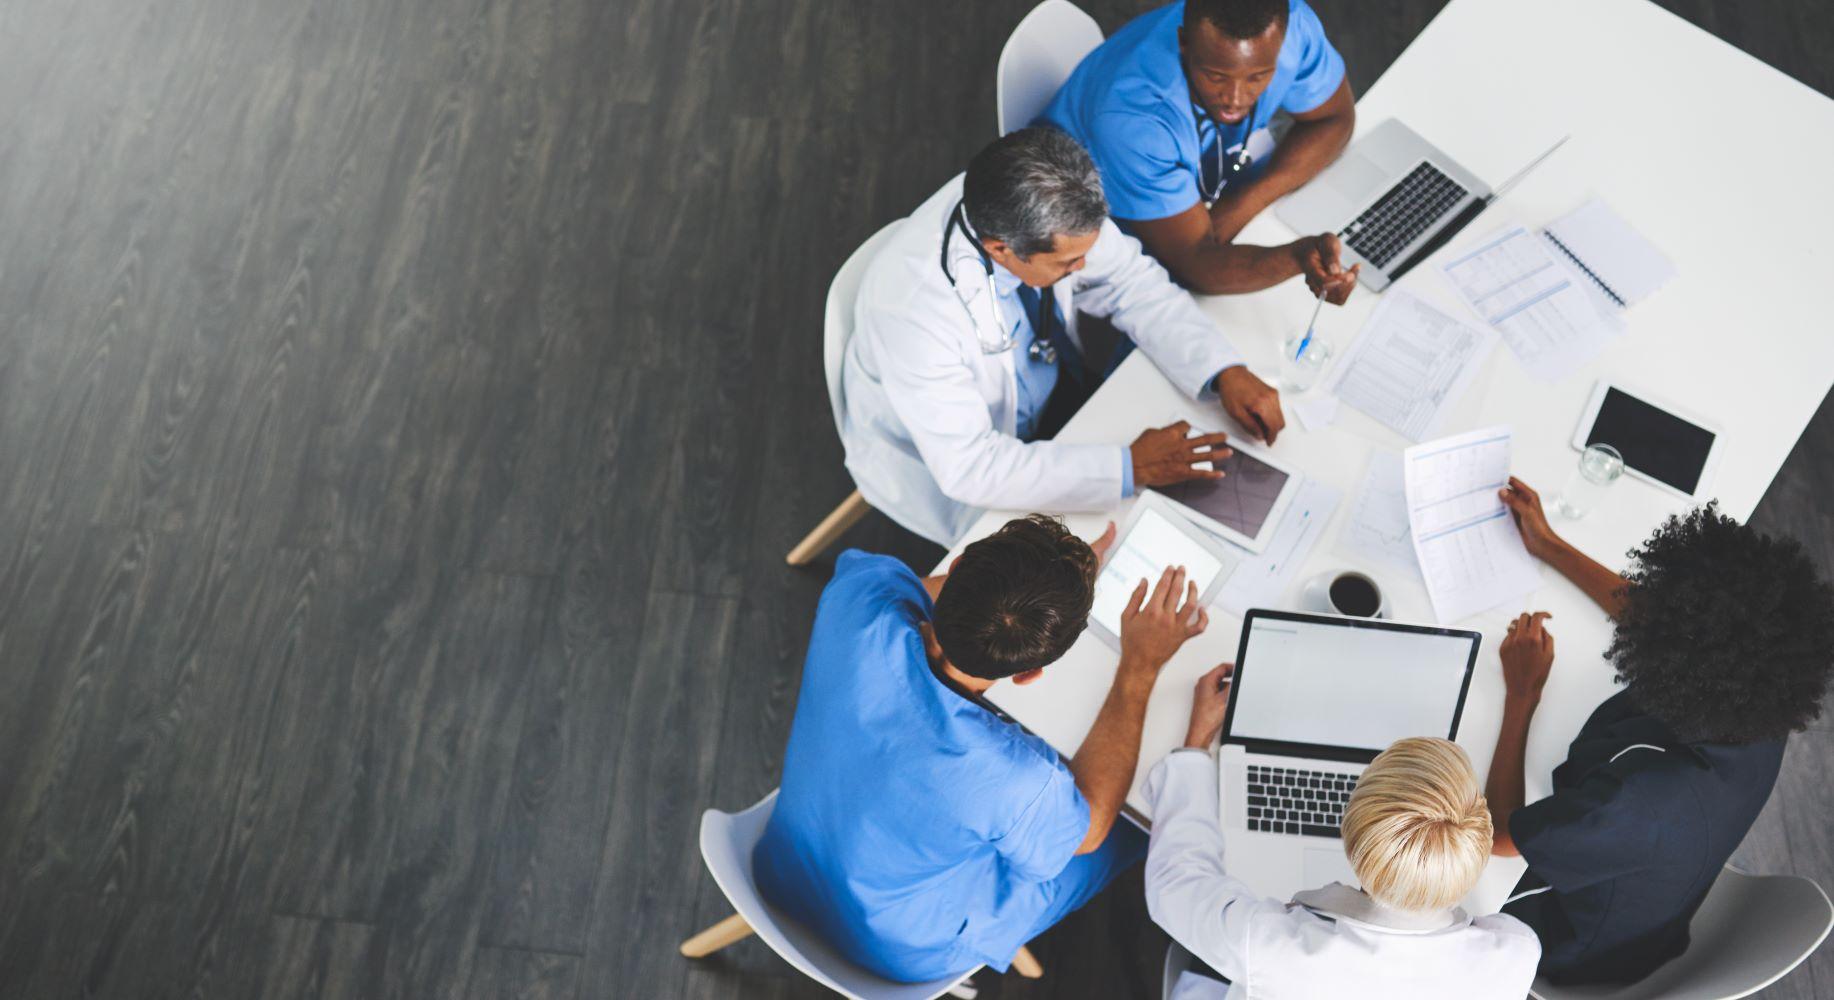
point(1035, 201)
point(1417, 830)
point(1230, 48)
point(1727, 634)
point(1015, 601)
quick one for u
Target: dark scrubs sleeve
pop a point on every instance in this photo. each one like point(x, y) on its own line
point(1581, 836)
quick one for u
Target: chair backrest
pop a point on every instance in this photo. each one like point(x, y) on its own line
point(1750, 931)
point(726, 842)
point(837, 318)
point(1038, 58)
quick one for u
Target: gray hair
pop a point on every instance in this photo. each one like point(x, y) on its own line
point(1031, 186)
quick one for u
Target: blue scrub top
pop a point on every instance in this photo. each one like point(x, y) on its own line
point(914, 829)
point(1129, 104)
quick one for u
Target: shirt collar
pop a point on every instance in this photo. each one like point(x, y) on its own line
point(1341, 901)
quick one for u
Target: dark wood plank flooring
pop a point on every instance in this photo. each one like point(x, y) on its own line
point(404, 411)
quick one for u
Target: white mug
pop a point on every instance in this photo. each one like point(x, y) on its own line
point(1345, 592)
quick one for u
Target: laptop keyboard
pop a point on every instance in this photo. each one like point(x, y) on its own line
point(1291, 800)
point(1400, 216)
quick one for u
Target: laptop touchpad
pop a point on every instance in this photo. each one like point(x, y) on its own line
point(1357, 178)
point(1324, 866)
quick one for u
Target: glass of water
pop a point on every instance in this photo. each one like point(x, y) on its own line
point(1302, 363)
point(1599, 467)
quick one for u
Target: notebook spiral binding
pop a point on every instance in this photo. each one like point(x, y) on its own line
point(1596, 280)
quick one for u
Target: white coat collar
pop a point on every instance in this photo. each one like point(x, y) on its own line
point(1341, 901)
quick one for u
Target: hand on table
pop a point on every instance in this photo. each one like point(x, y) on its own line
point(1320, 259)
point(1253, 403)
point(1525, 506)
point(1209, 705)
point(1154, 625)
point(1164, 455)
point(1528, 657)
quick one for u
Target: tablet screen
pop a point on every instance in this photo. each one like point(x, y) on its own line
point(1241, 500)
point(1653, 441)
point(1152, 544)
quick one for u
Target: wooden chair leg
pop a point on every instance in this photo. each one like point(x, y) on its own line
point(727, 931)
point(1026, 965)
point(831, 528)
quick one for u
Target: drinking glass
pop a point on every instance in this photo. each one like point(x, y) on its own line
point(1300, 370)
point(1599, 466)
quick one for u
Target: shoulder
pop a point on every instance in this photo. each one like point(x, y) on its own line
point(1506, 928)
point(868, 582)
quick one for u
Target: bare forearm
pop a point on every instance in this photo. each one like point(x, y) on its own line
point(1217, 268)
point(1308, 148)
point(1606, 588)
point(1505, 789)
point(1104, 765)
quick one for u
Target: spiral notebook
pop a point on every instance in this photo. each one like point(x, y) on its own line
point(1624, 265)
point(1558, 295)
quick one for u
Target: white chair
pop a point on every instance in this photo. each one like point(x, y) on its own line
point(837, 328)
point(1750, 931)
point(1038, 58)
point(726, 842)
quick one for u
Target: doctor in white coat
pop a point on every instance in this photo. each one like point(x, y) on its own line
point(964, 360)
point(1417, 833)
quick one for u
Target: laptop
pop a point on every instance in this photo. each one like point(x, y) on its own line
point(1393, 198)
point(1316, 698)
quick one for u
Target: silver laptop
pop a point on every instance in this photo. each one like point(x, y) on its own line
point(1393, 198)
point(1316, 698)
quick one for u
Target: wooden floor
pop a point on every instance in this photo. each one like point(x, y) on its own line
point(404, 411)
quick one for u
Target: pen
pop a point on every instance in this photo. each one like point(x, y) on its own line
point(1306, 341)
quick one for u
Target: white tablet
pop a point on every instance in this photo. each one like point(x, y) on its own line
point(1246, 504)
point(1155, 536)
point(1661, 444)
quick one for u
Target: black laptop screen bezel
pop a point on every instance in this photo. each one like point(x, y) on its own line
point(1317, 751)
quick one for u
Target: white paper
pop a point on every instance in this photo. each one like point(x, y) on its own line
point(1262, 580)
point(1631, 266)
point(1548, 314)
point(1378, 528)
point(1410, 364)
point(1470, 552)
point(1316, 413)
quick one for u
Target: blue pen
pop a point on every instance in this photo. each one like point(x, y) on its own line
point(1306, 341)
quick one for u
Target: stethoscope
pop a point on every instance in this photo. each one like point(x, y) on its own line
point(1041, 350)
point(1227, 168)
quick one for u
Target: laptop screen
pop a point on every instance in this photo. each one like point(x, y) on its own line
point(1356, 685)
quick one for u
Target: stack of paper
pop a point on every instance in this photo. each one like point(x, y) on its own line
point(1410, 364)
point(1470, 552)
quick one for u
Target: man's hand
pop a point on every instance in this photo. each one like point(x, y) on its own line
point(1208, 707)
point(1525, 506)
point(1101, 545)
point(1320, 260)
point(1528, 656)
point(1154, 625)
point(1164, 455)
point(1251, 402)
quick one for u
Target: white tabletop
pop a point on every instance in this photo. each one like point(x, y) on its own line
point(1665, 124)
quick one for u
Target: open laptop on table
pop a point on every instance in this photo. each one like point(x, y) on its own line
point(1316, 698)
point(1393, 198)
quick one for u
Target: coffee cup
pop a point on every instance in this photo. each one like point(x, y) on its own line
point(1346, 592)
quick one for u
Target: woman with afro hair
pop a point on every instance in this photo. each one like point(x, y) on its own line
point(1724, 640)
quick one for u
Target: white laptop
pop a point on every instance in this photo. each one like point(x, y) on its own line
point(1393, 198)
point(1316, 698)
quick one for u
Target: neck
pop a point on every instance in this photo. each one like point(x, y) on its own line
point(963, 684)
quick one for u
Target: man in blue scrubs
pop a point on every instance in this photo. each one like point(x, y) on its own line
point(1175, 110)
point(918, 831)
point(1724, 640)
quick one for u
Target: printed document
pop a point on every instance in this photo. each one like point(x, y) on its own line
point(1410, 364)
point(1552, 319)
point(1378, 528)
point(1470, 552)
point(1261, 580)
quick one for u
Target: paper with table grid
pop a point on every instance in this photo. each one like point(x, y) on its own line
point(1470, 552)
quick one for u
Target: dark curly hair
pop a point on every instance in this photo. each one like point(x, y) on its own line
point(1017, 599)
point(1727, 634)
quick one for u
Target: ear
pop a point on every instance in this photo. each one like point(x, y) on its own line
point(1028, 676)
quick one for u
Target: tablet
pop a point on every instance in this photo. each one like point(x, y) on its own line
point(1245, 505)
point(1155, 536)
point(1661, 445)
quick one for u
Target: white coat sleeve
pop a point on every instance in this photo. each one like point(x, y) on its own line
point(1140, 298)
point(1188, 892)
point(932, 390)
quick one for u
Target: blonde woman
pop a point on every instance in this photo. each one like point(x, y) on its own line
point(1418, 834)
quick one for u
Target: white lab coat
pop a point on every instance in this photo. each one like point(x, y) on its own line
point(1330, 942)
point(928, 419)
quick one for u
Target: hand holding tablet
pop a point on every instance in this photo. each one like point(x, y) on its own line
point(1156, 536)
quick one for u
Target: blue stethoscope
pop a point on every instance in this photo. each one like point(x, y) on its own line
point(1227, 167)
point(1041, 350)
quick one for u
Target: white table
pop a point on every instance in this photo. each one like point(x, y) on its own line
point(1740, 335)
